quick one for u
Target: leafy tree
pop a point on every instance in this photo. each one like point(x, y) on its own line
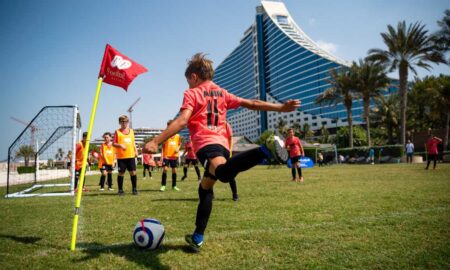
point(263, 138)
point(342, 137)
point(325, 135)
point(443, 103)
point(342, 90)
point(407, 48)
point(442, 36)
point(25, 152)
point(307, 132)
point(297, 128)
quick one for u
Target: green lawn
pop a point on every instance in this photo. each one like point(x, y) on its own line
point(343, 217)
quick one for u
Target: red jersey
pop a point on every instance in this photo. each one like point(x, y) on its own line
point(147, 158)
point(209, 104)
point(294, 144)
point(432, 146)
point(190, 153)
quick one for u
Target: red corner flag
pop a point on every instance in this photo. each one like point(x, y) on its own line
point(119, 70)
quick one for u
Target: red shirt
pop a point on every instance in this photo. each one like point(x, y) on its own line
point(209, 104)
point(294, 144)
point(432, 146)
point(147, 158)
point(190, 154)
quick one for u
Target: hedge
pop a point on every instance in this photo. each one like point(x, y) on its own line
point(397, 151)
point(24, 169)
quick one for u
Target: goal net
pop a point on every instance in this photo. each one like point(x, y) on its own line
point(40, 159)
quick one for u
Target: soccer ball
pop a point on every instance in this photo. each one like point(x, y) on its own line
point(148, 233)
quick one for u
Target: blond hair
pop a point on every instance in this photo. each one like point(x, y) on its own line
point(201, 66)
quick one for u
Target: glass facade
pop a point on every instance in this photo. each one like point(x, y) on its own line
point(276, 61)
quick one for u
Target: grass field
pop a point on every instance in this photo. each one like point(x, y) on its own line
point(342, 217)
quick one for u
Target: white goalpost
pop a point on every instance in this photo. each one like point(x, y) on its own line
point(41, 160)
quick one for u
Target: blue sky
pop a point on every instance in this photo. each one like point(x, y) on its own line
point(52, 50)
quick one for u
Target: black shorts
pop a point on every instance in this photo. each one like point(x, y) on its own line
point(295, 159)
point(211, 151)
point(106, 167)
point(146, 167)
point(126, 164)
point(192, 161)
point(172, 163)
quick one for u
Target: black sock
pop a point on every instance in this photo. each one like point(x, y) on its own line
point(239, 163)
point(109, 180)
point(174, 179)
point(197, 170)
point(102, 181)
point(293, 172)
point(164, 179)
point(204, 209)
point(233, 186)
point(120, 182)
point(185, 171)
point(299, 170)
point(143, 173)
point(149, 173)
point(134, 181)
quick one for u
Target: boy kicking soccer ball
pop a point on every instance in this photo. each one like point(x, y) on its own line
point(204, 112)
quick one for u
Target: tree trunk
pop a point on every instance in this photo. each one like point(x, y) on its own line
point(446, 130)
point(350, 128)
point(403, 76)
point(366, 116)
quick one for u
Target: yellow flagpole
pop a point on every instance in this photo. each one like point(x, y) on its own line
point(83, 167)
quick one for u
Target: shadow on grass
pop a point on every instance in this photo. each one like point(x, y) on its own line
point(147, 258)
point(22, 239)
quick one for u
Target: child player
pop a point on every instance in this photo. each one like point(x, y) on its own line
point(126, 153)
point(204, 111)
point(106, 161)
point(295, 148)
point(79, 150)
point(170, 152)
point(191, 158)
point(147, 160)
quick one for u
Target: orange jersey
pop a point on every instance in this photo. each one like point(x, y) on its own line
point(128, 141)
point(171, 147)
point(107, 155)
point(79, 156)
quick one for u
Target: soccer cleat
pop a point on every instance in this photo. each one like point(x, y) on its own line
point(121, 193)
point(110, 189)
point(175, 189)
point(162, 188)
point(151, 177)
point(85, 189)
point(101, 189)
point(301, 179)
point(143, 178)
point(235, 197)
point(135, 192)
point(184, 177)
point(192, 244)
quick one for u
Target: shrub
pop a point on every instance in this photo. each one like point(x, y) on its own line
point(26, 169)
point(384, 150)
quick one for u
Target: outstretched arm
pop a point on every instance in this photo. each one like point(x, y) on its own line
point(255, 104)
point(177, 125)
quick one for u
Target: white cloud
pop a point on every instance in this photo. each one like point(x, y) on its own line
point(327, 46)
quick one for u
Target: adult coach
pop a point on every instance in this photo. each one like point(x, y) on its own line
point(204, 111)
point(126, 153)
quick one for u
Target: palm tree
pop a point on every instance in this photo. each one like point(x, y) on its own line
point(407, 47)
point(25, 151)
point(297, 128)
point(341, 91)
point(443, 35)
point(386, 113)
point(371, 83)
point(281, 126)
point(307, 132)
